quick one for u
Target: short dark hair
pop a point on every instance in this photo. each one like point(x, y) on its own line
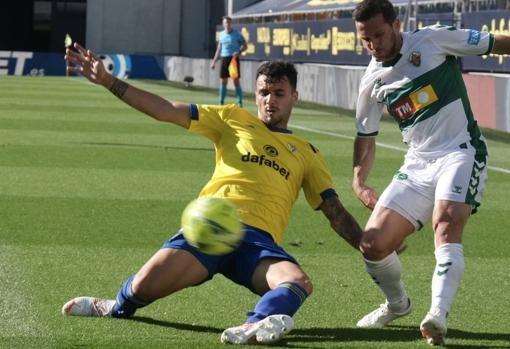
point(227, 18)
point(367, 9)
point(277, 71)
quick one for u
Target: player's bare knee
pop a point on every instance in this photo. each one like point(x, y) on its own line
point(448, 223)
point(374, 249)
point(302, 280)
point(448, 216)
point(305, 283)
point(447, 233)
point(308, 286)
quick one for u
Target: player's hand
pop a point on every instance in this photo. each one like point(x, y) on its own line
point(86, 63)
point(367, 196)
point(213, 65)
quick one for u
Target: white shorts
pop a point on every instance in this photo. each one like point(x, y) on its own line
point(459, 176)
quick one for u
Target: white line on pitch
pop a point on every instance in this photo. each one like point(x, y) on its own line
point(379, 144)
point(383, 145)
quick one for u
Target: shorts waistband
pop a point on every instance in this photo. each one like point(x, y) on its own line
point(258, 230)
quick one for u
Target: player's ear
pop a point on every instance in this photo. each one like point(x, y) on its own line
point(396, 25)
point(295, 97)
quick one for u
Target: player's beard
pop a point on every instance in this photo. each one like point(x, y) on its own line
point(270, 120)
point(395, 48)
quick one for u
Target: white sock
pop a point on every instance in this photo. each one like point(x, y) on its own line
point(446, 278)
point(387, 274)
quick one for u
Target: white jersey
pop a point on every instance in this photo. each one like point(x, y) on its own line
point(423, 91)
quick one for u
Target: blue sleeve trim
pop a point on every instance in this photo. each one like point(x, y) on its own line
point(326, 194)
point(373, 134)
point(193, 111)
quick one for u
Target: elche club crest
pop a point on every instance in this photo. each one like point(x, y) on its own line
point(415, 58)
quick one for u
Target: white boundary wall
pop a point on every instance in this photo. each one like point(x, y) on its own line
point(329, 85)
point(338, 86)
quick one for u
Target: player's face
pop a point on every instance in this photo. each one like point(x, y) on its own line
point(382, 40)
point(275, 101)
point(227, 24)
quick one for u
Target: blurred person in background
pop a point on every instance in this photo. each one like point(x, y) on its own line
point(231, 44)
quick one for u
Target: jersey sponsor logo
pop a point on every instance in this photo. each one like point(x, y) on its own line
point(270, 150)
point(292, 147)
point(261, 160)
point(457, 189)
point(404, 108)
point(474, 37)
point(415, 102)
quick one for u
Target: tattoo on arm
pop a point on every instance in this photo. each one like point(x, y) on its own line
point(342, 222)
point(118, 88)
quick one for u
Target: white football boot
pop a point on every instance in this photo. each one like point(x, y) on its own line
point(88, 306)
point(433, 328)
point(382, 316)
point(265, 331)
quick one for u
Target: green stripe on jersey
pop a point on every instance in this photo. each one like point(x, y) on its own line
point(448, 85)
point(444, 79)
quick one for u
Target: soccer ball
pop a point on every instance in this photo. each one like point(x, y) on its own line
point(212, 225)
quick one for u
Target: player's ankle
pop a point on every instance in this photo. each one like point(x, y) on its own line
point(437, 311)
point(400, 306)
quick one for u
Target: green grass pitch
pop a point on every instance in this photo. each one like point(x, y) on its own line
point(90, 189)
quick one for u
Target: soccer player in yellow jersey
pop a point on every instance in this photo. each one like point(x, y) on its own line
point(260, 167)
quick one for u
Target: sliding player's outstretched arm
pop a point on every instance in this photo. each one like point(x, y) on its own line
point(342, 222)
point(86, 63)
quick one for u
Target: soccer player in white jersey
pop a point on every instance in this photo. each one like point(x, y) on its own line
point(416, 75)
point(260, 167)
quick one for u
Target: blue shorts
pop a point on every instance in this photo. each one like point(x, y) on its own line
point(240, 264)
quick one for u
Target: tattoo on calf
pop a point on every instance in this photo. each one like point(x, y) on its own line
point(118, 88)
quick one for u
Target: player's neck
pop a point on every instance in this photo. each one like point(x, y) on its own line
point(399, 42)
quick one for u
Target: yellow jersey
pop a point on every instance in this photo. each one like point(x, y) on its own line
point(259, 169)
